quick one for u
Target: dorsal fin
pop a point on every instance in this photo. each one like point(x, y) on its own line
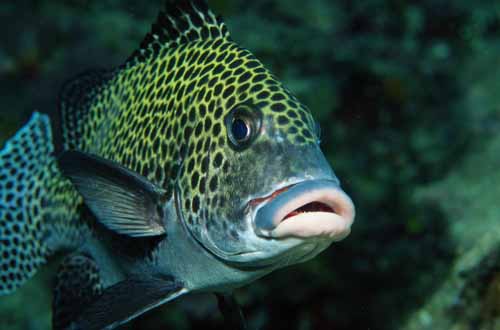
point(74, 101)
point(182, 21)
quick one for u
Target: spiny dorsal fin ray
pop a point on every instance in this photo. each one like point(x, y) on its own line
point(181, 22)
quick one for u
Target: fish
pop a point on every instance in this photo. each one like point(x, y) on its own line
point(190, 168)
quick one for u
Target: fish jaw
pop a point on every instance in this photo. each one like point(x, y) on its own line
point(312, 209)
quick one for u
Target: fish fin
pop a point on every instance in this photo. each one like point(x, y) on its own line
point(74, 102)
point(181, 22)
point(27, 168)
point(233, 316)
point(126, 300)
point(77, 284)
point(121, 200)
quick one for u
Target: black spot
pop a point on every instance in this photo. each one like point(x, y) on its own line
point(210, 57)
point(230, 102)
point(230, 58)
point(218, 113)
point(216, 129)
point(208, 96)
point(194, 180)
point(258, 78)
point(171, 64)
point(190, 166)
point(225, 75)
point(182, 57)
point(190, 87)
point(256, 88)
point(292, 130)
point(228, 91)
point(218, 69)
point(239, 71)
point(187, 132)
point(205, 33)
point(203, 80)
point(283, 120)
point(202, 185)
point(199, 146)
point(298, 123)
point(218, 89)
point(262, 104)
point(236, 63)
point(180, 73)
point(306, 134)
point(204, 165)
point(218, 160)
point(243, 88)
point(278, 97)
point(263, 95)
point(194, 56)
point(192, 114)
point(208, 124)
point(252, 64)
point(180, 94)
point(183, 120)
point(207, 69)
point(213, 81)
point(213, 184)
point(278, 107)
point(203, 110)
point(199, 129)
point(214, 32)
point(244, 77)
point(291, 114)
point(300, 139)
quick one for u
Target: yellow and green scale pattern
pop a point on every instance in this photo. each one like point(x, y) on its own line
point(161, 114)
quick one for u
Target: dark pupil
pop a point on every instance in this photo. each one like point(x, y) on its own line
point(240, 129)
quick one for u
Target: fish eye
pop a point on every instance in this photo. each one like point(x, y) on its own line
point(243, 125)
point(241, 129)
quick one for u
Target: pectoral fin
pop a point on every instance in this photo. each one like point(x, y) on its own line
point(121, 200)
point(126, 300)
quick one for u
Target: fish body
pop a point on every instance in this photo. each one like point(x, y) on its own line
point(189, 168)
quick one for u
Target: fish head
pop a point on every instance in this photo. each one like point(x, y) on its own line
point(254, 188)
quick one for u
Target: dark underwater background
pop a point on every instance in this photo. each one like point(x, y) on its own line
point(408, 97)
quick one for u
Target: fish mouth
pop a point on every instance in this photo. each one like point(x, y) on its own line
point(308, 209)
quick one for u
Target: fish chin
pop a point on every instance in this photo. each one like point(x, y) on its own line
point(298, 221)
point(268, 252)
point(288, 226)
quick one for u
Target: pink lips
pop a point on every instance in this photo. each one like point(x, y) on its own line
point(305, 210)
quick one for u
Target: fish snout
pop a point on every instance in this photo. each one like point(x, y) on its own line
point(309, 209)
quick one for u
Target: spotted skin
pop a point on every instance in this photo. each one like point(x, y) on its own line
point(34, 207)
point(163, 114)
point(77, 284)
